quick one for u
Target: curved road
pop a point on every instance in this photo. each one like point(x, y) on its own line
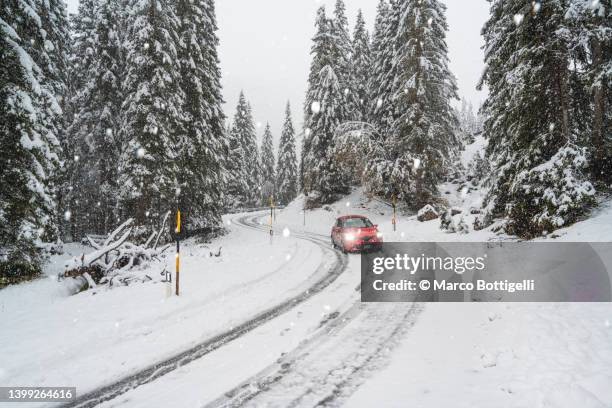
point(159, 369)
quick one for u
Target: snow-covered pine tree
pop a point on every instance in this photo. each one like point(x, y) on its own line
point(237, 188)
point(537, 180)
point(322, 177)
point(244, 128)
point(361, 61)
point(286, 169)
point(152, 112)
point(322, 53)
point(324, 107)
point(268, 173)
point(423, 133)
point(321, 56)
point(82, 27)
point(382, 73)
point(201, 145)
point(96, 125)
point(29, 116)
point(590, 30)
point(342, 50)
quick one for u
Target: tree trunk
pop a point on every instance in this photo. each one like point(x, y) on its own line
point(597, 141)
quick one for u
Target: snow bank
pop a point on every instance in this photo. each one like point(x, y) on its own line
point(510, 355)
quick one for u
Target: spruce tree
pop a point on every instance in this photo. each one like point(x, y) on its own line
point(537, 180)
point(361, 61)
point(96, 125)
point(342, 50)
point(324, 108)
point(237, 189)
point(423, 136)
point(322, 176)
point(201, 147)
point(286, 169)
point(29, 117)
point(268, 174)
point(382, 74)
point(590, 25)
point(153, 115)
point(244, 129)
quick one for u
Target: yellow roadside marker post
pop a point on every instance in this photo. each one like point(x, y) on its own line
point(178, 248)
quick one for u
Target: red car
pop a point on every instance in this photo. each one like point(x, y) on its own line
point(354, 233)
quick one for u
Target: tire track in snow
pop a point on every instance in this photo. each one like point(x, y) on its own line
point(331, 364)
point(326, 368)
point(151, 373)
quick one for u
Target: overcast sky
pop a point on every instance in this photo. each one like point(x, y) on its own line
point(265, 50)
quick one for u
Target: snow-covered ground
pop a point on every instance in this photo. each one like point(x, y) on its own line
point(327, 349)
point(95, 337)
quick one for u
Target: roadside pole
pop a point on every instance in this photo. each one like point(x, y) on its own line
point(178, 249)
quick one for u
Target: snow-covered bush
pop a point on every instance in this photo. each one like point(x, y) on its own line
point(427, 213)
point(452, 224)
point(552, 194)
point(446, 221)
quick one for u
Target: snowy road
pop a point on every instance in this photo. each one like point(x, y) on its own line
point(333, 264)
point(317, 353)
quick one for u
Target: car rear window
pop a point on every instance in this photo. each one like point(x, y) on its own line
point(357, 223)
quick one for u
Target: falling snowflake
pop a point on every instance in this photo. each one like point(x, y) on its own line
point(346, 91)
point(348, 204)
point(76, 158)
point(67, 215)
point(379, 103)
point(417, 164)
point(178, 191)
point(154, 130)
point(286, 232)
point(536, 6)
point(109, 132)
point(259, 125)
point(146, 46)
point(429, 21)
point(307, 132)
point(551, 127)
point(315, 107)
point(595, 4)
point(288, 257)
point(518, 19)
point(140, 153)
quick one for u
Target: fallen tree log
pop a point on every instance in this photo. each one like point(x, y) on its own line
point(115, 256)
